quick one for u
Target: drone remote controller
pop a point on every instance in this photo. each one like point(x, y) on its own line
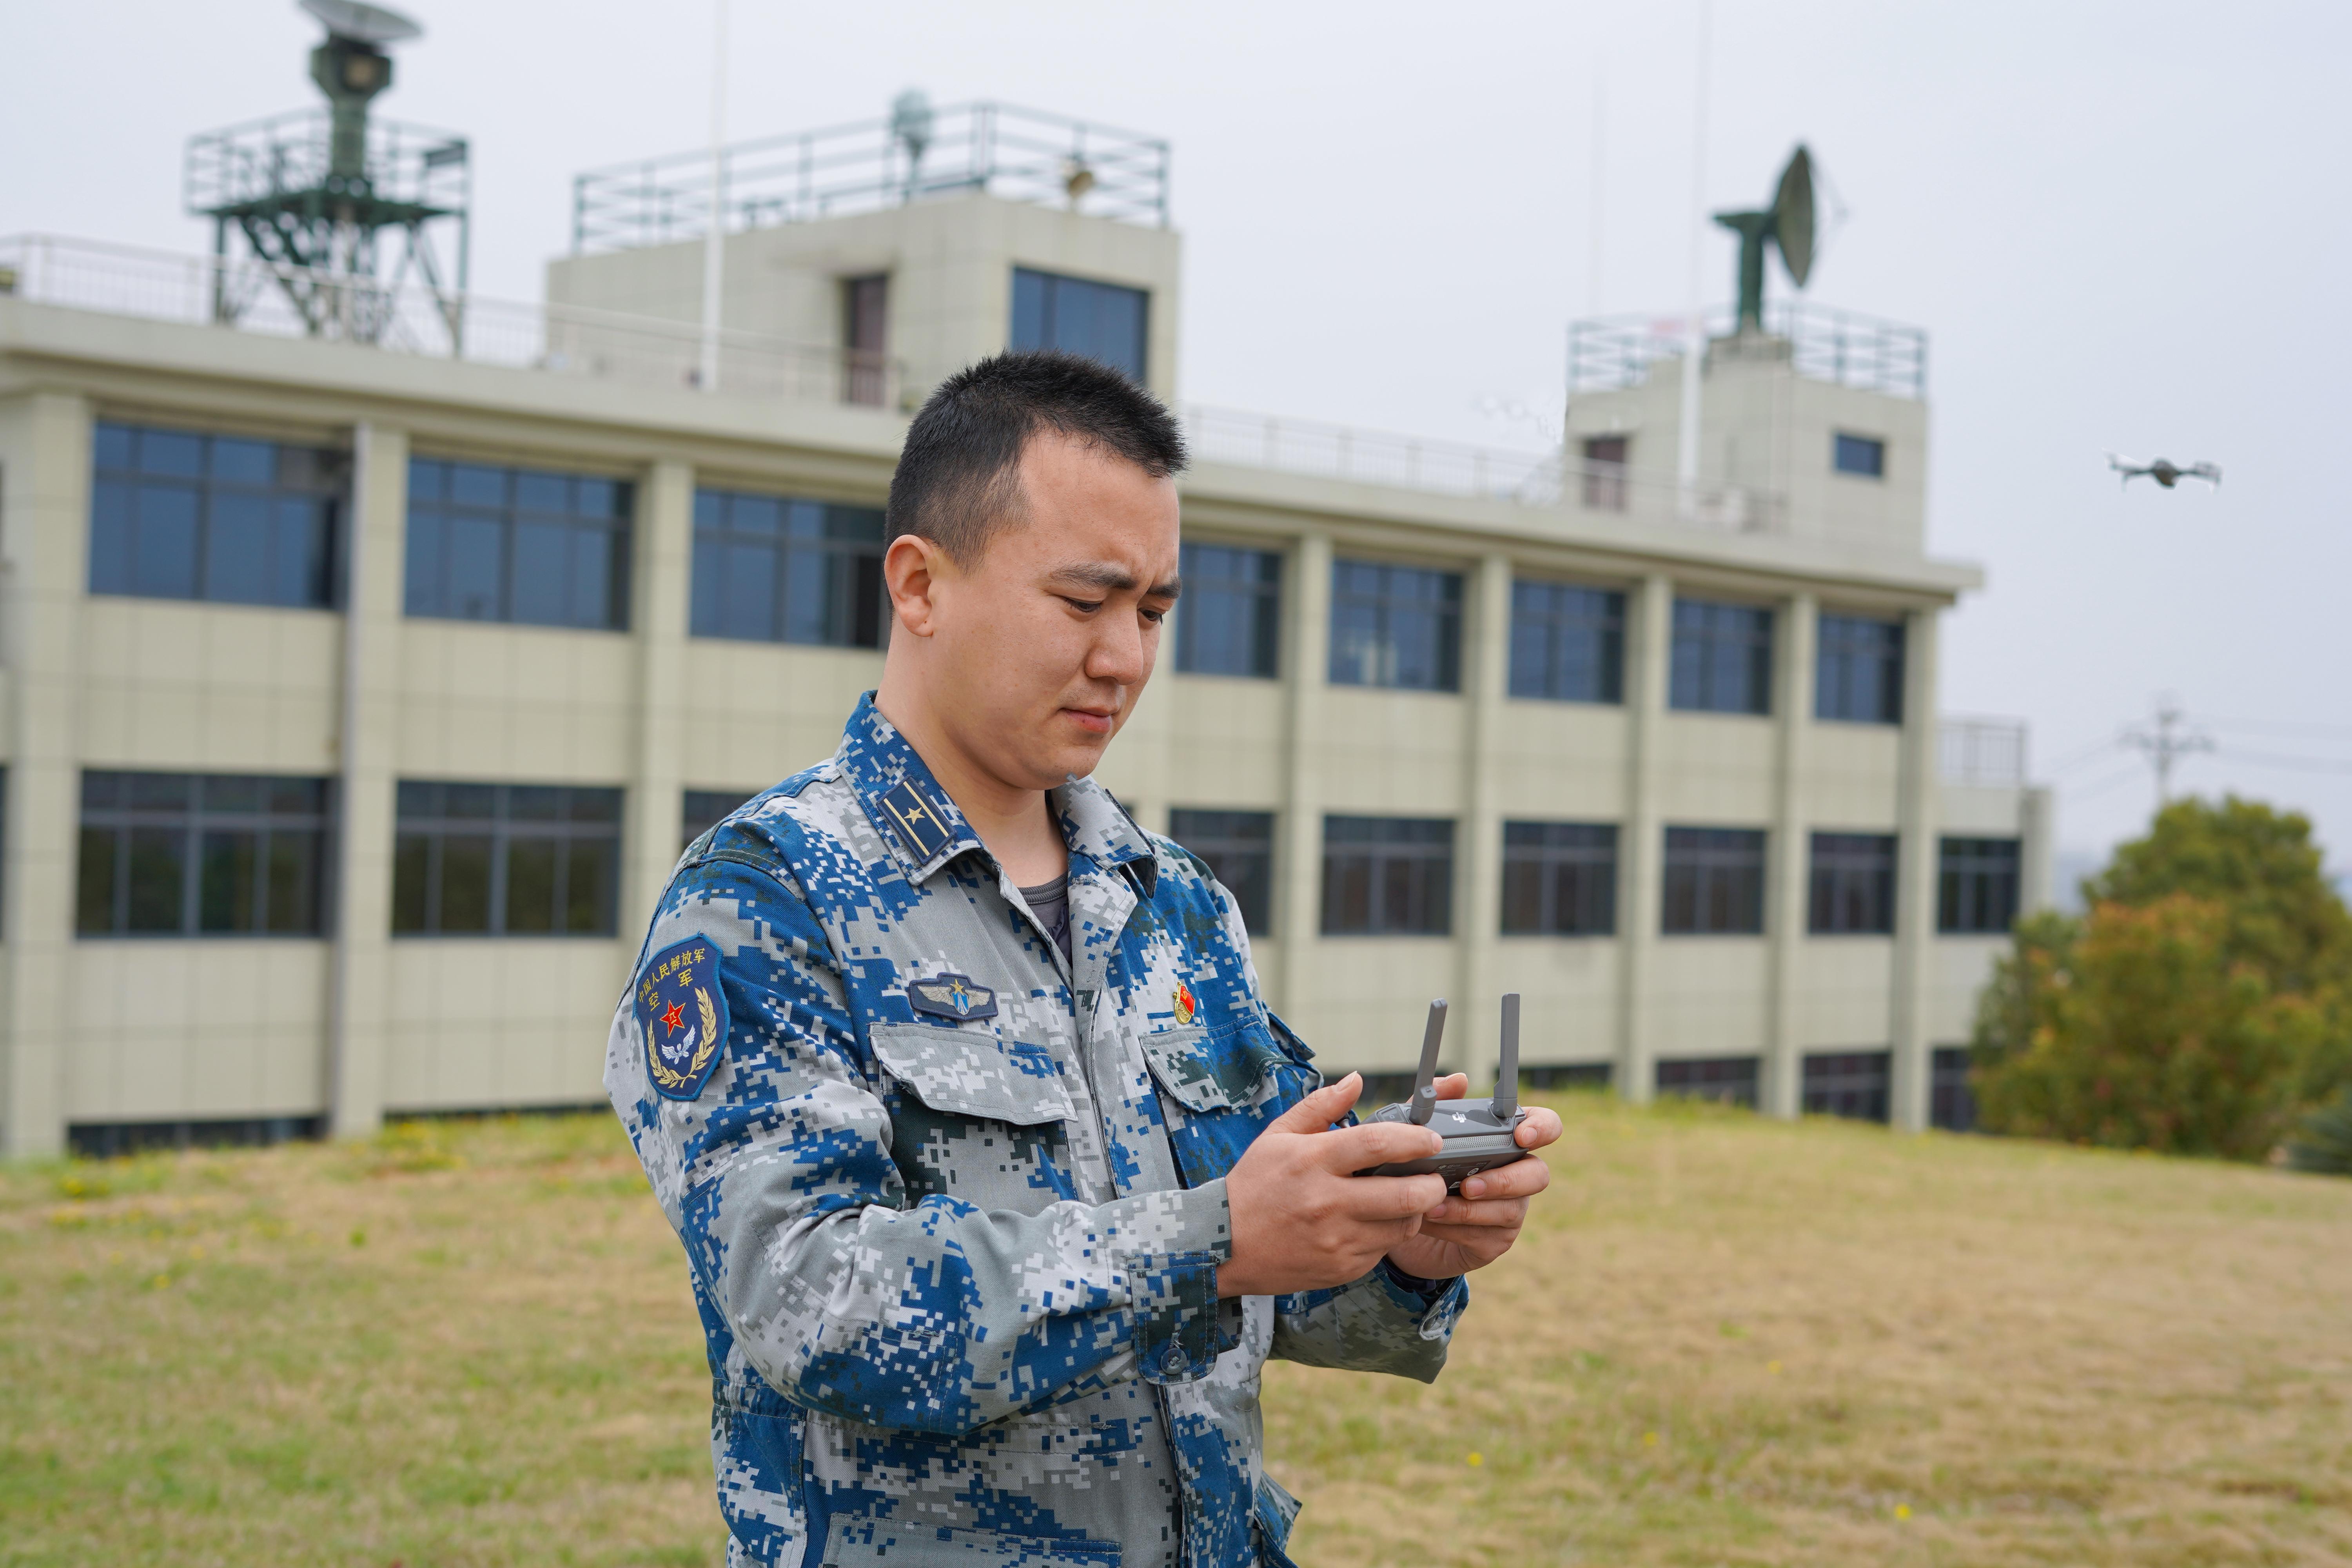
point(1479, 1134)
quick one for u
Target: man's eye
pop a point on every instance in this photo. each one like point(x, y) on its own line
point(1086, 606)
point(1155, 617)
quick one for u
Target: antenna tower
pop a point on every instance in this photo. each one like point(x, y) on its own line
point(2166, 742)
point(315, 192)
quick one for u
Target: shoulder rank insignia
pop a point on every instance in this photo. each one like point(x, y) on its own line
point(957, 997)
point(682, 1014)
point(1185, 1006)
point(918, 824)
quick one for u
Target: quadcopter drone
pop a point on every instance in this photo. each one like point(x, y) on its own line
point(2164, 471)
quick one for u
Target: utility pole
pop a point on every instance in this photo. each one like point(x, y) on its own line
point(2166, 742)
point(714, 235)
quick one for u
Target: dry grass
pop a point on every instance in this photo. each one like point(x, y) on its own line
point(1726, 1342)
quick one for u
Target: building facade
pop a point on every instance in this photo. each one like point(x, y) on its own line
point(358, 701)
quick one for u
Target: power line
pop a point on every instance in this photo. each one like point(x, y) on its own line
point(2304, 764)
point(2283, 727)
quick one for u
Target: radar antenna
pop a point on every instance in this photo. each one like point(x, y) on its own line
point(1788, 223)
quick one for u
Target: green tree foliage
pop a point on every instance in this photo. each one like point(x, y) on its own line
point(2325, 1141)
point(2201, 1006)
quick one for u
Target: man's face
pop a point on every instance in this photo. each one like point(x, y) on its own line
point(1043, 645)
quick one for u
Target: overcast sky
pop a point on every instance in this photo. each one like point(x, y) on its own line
point(2123, 226)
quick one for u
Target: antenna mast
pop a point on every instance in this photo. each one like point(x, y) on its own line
point(2166, 742)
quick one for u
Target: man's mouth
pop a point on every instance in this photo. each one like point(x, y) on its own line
point(1094, 721)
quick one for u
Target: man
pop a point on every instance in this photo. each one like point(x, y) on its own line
point(998, 1182)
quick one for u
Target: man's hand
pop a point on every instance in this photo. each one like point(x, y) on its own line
point(1474, 1229)
point(1303, 1220)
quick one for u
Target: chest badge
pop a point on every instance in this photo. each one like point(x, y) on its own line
point(956, 997)
point(1186, 1005)
point(682, 1017)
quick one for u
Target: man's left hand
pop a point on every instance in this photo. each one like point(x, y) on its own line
point(1471, 1229)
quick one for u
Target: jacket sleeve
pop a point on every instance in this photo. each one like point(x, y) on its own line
point(933, 1316)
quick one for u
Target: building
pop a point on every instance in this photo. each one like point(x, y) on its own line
point(362, 689)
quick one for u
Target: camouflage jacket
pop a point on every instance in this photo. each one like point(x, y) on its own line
point(953, 1205)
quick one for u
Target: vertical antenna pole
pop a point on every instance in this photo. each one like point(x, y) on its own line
point(1506, 1103)
point(1424, 1082)
point(1599, 170)
point(713, 249)
point(1694, 328)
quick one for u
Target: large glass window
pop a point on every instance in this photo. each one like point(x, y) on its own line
point(1848, 1083)
point(1858, 671)
point(1714, 881)
point(1239, 847)
point(704, 809)
point(1560, 878)
point(202, 855)
point(771, 569)
point(1395, 626)
point(179, 515)
point(1977, 882)
point(1101, 320)
point(1567, 643)
point(1388, 876)
point(1729, 1079)
point(1852, 889)
point(1228, 621)
point(480, 859)
point(517, 544)
point(1722, 658)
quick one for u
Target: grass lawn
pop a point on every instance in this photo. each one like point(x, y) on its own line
point(1725, 1340)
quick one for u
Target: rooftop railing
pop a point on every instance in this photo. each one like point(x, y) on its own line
point(995, 149)
point(1609, 353)
point(1990, 753)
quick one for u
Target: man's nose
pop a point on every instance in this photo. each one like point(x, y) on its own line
point(1117, 653)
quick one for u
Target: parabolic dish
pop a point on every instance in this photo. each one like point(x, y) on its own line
point(363, 23)
point(1792, 216)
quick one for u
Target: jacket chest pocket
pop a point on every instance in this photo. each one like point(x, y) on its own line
point(1229, 1082)
point(980, 1119)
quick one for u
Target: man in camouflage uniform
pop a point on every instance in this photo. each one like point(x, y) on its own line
point(998, 1182)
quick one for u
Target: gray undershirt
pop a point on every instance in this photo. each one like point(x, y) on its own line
point(1050, 902)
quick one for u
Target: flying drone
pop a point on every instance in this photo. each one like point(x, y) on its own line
point(2164, 471)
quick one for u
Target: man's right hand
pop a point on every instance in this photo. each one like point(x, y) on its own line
point(1302, 1219)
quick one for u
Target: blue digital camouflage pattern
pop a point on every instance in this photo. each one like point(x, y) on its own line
point(958, 1277)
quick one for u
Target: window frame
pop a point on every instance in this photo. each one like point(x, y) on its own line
point(1838, 657)
point(326, 493)
point(1703, 857)
point(1953, 883)
point(1843, 442)
point(1540, 674)
point(1221, 836)
point(1727, 1080)
point(1851, 884)
point(866, 366)
point(434, 500)
point(1260, 598)
point(1385, 605)
point(195, 823)
point(1603, 475)
point(855, 598)
point(1422, 860)
point(504, 828)
point(1701, 631)
point(1596, 895)
point(1853, 1085)
point(1049, 287)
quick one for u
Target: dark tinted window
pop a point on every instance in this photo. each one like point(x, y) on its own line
point(1604, 473)
point(1395, 626)
point(1853, 887)
point(488, 544)
point(704, 809)
point(1239, 847)
point(1951, 1100)
point(1101, 320)
point(1858, 671)
point(771, 569)
point(1230, 619)
point(1722, 658)
point(480, 859)
point(178, 515)
point(1977, 882)
point(1848, 1083)
point(1560, 878)
point(1714, 881)
point(202, 855)
point(1731, 1079)
point(1862, 456)
point(1567, 643)
point(864, 334)
point(1388, 876)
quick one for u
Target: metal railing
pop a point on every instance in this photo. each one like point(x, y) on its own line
point(291, 152)
point(997, 149)
point(1609, 353)
point(1985, 751)
point(564, 340)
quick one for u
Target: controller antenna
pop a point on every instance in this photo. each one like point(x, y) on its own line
point(1506, 1103)
point(1425, 1083)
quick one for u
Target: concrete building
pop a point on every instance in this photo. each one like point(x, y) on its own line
point(359, 695)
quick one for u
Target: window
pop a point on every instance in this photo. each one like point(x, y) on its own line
point(1560, 878)
point(1604, 473)
point(1952, 1100)
point(769, 569)
point(1861, 456)
point(1388, 876)
point(1101, 320)
point(864, 338)
point(202, 855)
point(705, 809)
point(1722, 658)
point(177, 515)
point(1847, 1083)
point(1730, 1079)
point(517, 545)
point(1395, 626)
point(1853, 891)
point(1586, 1076)
point(479, 859)
point(1976, 892)
point(1858, 671)
point(1568, 644)
point(1228, 621)
point(1714, 881)
point(1239, 847)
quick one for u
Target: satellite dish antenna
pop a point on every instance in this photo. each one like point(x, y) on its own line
point(1788, 224)
point(363, 24)
point(351, 68)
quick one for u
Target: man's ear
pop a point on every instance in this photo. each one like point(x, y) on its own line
point(912, 569)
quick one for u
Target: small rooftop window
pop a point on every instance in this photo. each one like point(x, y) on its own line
point(1861, 456)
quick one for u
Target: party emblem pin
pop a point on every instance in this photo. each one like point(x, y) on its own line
point(1185, 1004)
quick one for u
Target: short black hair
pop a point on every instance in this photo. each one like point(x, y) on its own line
point(959, 475)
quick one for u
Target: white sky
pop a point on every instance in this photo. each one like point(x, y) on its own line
point(2123, 224)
